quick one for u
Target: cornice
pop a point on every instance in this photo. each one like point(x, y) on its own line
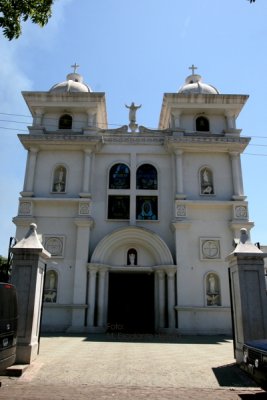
point(55, 139)
point(133, 139)
point(207, 143)
point(95, 141)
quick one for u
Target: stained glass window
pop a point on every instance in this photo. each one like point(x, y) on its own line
point(146, 177)
point(118, 207)
point(146, 208)
point(119, 177)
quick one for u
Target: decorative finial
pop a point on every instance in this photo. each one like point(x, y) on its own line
point(243, 235)
point(74, 66)
point(33, 226)
point(193, 69)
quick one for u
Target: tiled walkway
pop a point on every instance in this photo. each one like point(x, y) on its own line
point(132, 367)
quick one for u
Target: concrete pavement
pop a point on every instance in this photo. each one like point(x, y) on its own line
point(132, 367)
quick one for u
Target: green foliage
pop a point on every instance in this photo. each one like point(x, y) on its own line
point(3, 260)
point(4, 269)
point(13, 12)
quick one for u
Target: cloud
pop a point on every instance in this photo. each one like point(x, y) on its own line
point(16, 59)
point(33, 34)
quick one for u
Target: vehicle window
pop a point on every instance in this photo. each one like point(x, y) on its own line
point(8, 302)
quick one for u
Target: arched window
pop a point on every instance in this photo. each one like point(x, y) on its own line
point(50, 287)
point(132, 257)
point(213, 293)
point(59, 179)
point(65, 122)
point(206, 181)
point(202, 124)
point(147, 177)
point(119, 177)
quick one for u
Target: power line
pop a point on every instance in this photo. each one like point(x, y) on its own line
point(91, 126)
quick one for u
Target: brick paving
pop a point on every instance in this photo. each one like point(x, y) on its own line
point(132, 367)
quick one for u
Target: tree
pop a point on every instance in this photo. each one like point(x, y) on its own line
point(13, 12)
point(4, 269)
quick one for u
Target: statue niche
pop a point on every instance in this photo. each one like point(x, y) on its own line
point(213, 295)
point(59, 180)
point(132, 257)
point(206, 181)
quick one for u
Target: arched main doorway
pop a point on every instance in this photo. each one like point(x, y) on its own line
point(131, 283)
point(131, 302)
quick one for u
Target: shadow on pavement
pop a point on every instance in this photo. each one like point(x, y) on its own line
point(232, 376)
point(155, 338)
point(255, 396)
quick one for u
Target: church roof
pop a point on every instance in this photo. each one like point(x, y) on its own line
point(194, 84)
point(73, 84)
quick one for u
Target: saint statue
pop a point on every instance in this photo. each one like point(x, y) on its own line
point(212, 284)
point(132, 258)
point(132, 113)
point(146, 211)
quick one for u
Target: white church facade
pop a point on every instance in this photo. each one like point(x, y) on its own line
point(138, 221)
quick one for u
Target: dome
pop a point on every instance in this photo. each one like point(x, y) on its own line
point(72, 84)
point(194, 84)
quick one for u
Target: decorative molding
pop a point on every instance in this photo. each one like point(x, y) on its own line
point(134, 139)
point(85, 208)
point(25, 208)
point(210, 249)
point(54, 244)
point(180, 210)
point(86, 222)
point(241, 212)
point(24, 221)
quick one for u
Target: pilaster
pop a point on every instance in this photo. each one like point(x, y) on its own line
point(80, 269)
point(30, 173)
point(86, 187)
point(237, 176)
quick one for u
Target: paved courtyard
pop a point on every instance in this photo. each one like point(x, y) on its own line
point(132, 367)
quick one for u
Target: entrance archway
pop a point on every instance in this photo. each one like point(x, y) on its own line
point(131, 285)
point(131, 303)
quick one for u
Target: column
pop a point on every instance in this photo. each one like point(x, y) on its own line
point(179, 174)
point(91, 296)
point(91, 120)
point(171, 299)
point(237, 177)
point(230, 118)
point(30, 172)
point(80, 271)
point(37, 121)
point(101, 297)
point(161, 298)
point(176, 119)
point(86, 173)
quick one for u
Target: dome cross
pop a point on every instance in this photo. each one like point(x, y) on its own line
point(193, 69)
point(74, 66)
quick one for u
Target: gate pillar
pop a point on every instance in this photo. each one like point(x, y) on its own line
point(249, 302)
point(28, 269)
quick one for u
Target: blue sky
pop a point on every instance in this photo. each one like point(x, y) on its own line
point(136, 51)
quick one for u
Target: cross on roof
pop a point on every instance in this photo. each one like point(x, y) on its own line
point(193, 69)
point(74, 66)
